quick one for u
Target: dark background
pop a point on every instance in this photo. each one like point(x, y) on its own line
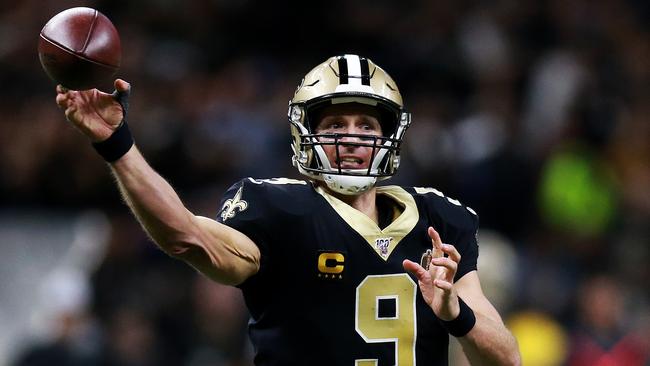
point(534, 113)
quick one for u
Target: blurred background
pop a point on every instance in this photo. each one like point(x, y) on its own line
point(534, 113)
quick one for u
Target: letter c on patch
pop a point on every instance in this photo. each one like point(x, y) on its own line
point(331, 262)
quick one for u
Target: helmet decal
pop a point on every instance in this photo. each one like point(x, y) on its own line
point(353, 70)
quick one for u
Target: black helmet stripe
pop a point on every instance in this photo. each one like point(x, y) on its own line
point(365, 72)
point(353, 70)
point(343, 70)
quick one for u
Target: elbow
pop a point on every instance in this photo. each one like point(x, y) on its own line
point(515, 354)
point(514, 358)
point(175, 236)
point(222, 269)
point(503, 359)
point(177, 246)
point(231, 271)
point(509, 355)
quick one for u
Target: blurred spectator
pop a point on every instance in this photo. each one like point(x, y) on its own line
point(70, 334)
point(577, 193)
point(606, 334)
point(132, 340)
point(220, 318)
point(499, 268)
point(542, 340)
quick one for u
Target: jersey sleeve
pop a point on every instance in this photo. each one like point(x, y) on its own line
point(467, 245)
point(244, 207)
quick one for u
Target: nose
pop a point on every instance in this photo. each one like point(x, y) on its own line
point(352, 130)
point(346, 140)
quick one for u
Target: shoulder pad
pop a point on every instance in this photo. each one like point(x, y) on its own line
point(256, 198)
point(449, 209)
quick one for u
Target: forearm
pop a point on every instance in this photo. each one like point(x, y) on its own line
point(153, 201)
point(490, 343)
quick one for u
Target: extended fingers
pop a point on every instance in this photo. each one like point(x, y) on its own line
point(435, 237)
point(443, 285)
point(64, 97)
point(416, 269)
point(446, 262)
point(452, 252)
point(69, 113)
point(440, 248)
point(436, 242)
point(62, 100)
point(449, 262)
point(65, 101)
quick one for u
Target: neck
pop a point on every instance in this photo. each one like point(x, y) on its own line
point(364, 202)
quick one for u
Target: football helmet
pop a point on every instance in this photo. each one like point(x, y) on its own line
point(347, 79)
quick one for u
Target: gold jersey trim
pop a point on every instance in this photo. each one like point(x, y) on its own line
point(383, 242)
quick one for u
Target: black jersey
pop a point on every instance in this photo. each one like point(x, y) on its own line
point(331, 289)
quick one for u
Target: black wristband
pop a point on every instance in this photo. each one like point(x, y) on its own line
point(120, 142)
point(117, 145)
point(463, 323)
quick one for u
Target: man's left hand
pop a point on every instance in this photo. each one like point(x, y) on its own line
point(437, 282)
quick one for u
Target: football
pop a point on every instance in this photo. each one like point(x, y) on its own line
point(80, 49)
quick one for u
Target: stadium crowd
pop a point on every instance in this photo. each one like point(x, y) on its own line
point(534, 113)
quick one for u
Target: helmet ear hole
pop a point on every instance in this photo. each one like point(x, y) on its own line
point(388, 119)
point(313, 114)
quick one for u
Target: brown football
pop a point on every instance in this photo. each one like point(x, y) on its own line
point(80, 49)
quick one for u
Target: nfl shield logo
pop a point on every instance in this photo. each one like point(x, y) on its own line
point(382, 245)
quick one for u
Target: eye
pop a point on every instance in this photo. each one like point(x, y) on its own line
point(370, 126)
point(330, 126)
point(367, 127)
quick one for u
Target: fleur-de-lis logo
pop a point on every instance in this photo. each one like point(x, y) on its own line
point(231, 206)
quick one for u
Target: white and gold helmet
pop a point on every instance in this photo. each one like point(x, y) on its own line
point(347, 79)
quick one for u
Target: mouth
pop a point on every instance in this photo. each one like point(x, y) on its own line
point(351, 162)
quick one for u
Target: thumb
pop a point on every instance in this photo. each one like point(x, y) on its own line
point(121, 95)
point(122, 85)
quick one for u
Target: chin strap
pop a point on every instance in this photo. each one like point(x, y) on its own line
point(348, 184)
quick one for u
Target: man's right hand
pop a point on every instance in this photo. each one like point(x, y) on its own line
point(96, 114)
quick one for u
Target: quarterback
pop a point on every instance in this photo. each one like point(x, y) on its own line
point(335, 270)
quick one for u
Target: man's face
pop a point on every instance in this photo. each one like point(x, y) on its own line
point(349, 118)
